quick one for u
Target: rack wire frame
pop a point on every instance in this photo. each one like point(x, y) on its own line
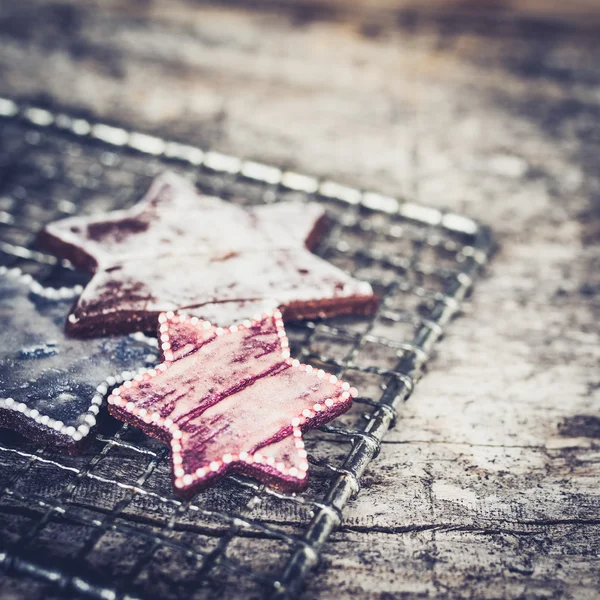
point(421, 261)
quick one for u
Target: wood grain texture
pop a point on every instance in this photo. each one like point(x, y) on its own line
point(488, 485)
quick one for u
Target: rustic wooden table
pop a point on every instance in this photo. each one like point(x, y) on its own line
point(488, 485)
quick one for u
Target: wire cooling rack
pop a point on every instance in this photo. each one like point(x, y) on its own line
point(106, 524)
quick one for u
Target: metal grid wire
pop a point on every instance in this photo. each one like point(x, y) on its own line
point(106, 523)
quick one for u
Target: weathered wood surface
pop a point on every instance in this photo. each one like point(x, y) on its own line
point(488, 486)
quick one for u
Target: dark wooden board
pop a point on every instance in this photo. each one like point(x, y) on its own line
point(488, 485)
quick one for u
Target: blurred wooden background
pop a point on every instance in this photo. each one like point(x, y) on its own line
point(488, 486)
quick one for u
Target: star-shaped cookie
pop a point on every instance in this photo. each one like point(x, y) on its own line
point(231, 400)
point(179, 250)
point(51, 386)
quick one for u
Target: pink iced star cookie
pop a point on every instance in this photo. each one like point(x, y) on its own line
point(231, 401)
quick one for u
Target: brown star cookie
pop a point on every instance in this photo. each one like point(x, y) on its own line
point(180, 250)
